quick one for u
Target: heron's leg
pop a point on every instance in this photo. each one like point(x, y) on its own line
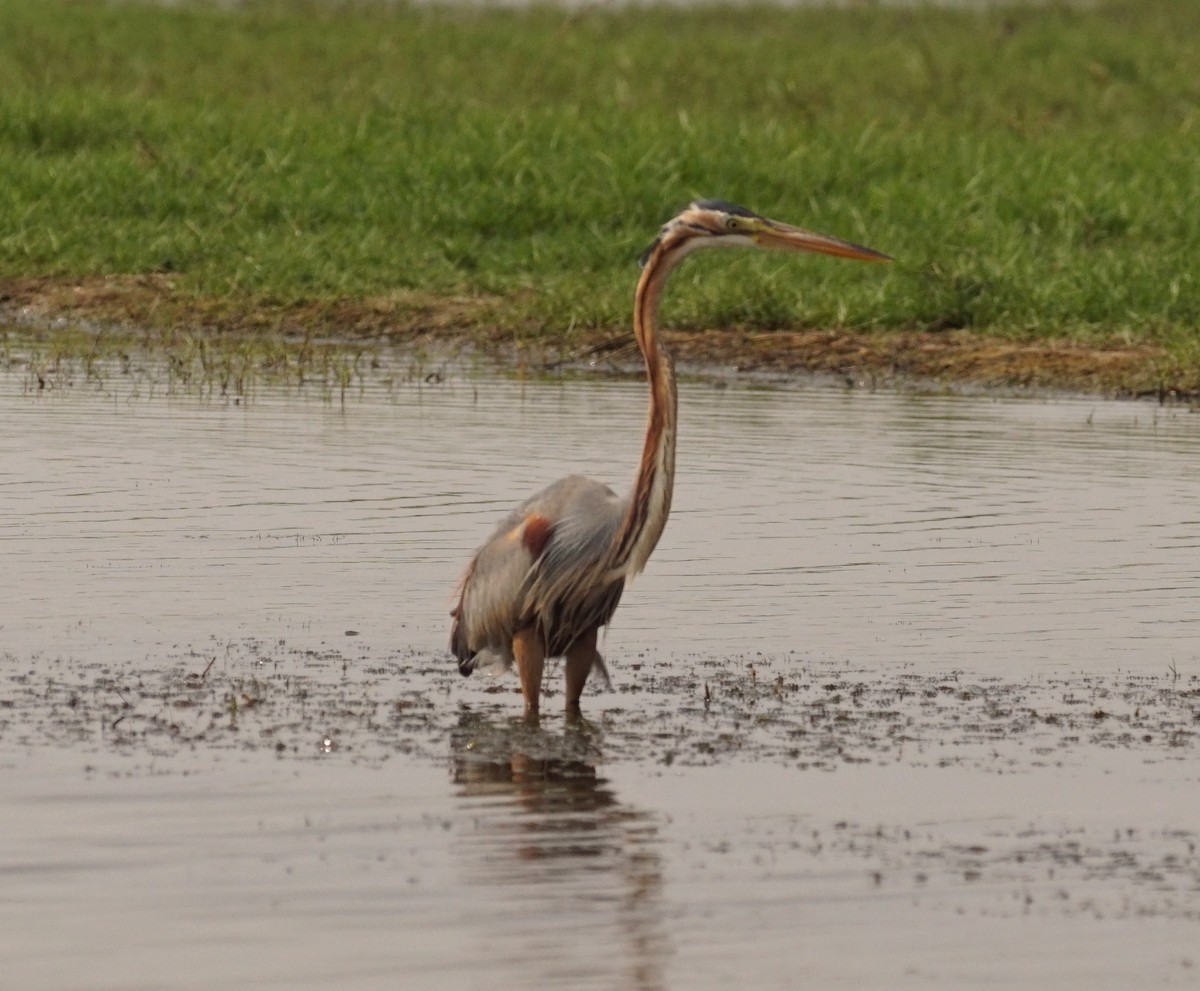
point(580, 657)
point(530, 655)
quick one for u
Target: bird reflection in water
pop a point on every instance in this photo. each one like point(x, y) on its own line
point(575, 876)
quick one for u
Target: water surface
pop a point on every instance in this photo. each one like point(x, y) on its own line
point(907, 697)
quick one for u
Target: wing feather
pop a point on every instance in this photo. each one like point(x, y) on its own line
point(570, 591)
point(546, 563)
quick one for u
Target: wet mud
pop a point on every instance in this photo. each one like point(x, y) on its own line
point(299, 703)
point(932, 358)
point(253, 701)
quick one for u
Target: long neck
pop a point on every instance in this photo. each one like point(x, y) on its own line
point(650, 501)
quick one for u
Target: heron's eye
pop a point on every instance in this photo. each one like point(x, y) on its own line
point(732, 223)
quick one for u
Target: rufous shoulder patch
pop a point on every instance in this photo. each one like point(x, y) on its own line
point(536, 532)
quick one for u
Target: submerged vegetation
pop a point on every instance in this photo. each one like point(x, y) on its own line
point(293, 170)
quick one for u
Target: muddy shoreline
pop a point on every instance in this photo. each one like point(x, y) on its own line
point(151, 311)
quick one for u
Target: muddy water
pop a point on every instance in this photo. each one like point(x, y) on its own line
point(909, 696)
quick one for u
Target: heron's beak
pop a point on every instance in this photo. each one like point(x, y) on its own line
point(773, 234)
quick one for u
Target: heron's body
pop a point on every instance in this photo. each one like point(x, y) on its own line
point(553, 571)
point(545, 565)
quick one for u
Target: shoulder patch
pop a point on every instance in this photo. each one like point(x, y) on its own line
point(536, 531)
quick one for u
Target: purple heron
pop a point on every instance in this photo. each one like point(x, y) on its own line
point(553, 571)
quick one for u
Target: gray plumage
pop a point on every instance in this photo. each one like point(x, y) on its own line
point(562, 584)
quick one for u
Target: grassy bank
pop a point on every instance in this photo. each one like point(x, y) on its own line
point(376, 167)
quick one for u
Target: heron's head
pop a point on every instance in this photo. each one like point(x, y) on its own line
point(717, 224)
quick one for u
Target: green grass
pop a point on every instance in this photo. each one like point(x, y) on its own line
point(1033, 170)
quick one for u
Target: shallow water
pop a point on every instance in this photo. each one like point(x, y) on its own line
point(908, 696)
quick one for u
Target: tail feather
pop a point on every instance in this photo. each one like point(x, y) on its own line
point(458, 643)
point(488, 660)
point(600, 668)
